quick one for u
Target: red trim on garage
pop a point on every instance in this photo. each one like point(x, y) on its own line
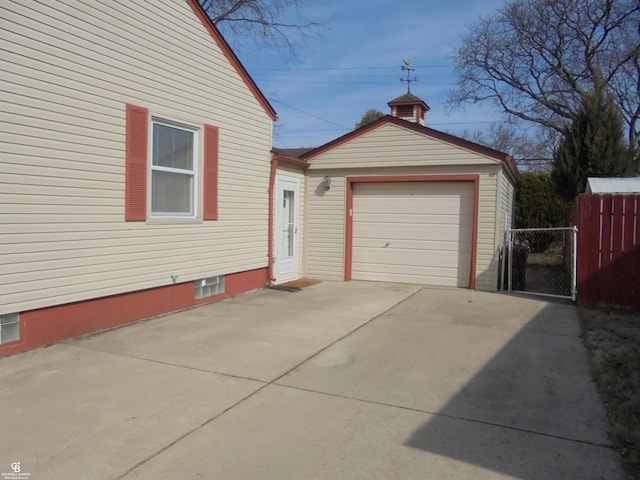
point(430, 132)
point(54, 324)
point(412, 178)
point(416, 127)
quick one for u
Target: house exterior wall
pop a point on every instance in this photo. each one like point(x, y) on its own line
point(69, 69)
point(394, 151)
point(325, 219)
point(392, 145)
point(507, 203)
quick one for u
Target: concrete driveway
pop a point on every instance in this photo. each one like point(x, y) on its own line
point(340, 380)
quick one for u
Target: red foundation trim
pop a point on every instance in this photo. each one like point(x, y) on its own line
point(412, 178)
point(54, 324)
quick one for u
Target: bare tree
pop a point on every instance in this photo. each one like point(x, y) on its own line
point(538, 59)
point(532, 149)
point(272, 23)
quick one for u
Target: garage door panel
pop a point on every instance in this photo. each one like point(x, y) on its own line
point(414, 245)
point(416, 205)
point(426, 233)
point(413, 218)
point(440, 271)
point(390, 189)
point(421, 277)
point(415, 232)
point(407, 258)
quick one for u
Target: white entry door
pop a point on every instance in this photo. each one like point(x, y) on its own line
point(286, 234)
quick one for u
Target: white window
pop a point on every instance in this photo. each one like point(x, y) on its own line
point(9, 328)
point(173, 170)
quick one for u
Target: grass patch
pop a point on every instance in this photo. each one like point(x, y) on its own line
point(613, 340)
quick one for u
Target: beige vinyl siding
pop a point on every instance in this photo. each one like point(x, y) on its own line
point(391, 145)
point(396, 151)
point(488, 255)
point(69, 67)
point(297, 173)
point(325, 228)
point(507, 201)
point(325, 220)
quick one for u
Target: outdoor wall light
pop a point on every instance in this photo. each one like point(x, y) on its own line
point(327, 183)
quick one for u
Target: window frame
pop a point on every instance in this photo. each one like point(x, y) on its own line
point(137, 158)
point(194, 173)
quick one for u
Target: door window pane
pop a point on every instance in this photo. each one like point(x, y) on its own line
point(288, 216)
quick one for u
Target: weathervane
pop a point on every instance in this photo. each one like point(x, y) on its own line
point(407, 67)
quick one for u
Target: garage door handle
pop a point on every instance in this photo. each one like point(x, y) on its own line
point(386, 245)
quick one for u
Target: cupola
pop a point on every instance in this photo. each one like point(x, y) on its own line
point(410, 108)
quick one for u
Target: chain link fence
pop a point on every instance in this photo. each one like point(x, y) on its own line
point(540, 261)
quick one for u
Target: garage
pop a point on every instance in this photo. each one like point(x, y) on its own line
point(413, 232)
point(397, 201)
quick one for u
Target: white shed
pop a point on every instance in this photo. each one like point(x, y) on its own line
point(613, 185)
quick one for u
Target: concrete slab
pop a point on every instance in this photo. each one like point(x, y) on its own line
point(481, 356)
point(69, 412)
point(288, 433)
point(384, 381)
point(259, 335)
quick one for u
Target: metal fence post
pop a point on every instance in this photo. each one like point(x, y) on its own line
point(510, 260)
point(574, 273)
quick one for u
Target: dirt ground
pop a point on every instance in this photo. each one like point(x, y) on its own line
point(613, 340)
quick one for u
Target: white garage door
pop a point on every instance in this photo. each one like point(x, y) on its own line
point(413, 232)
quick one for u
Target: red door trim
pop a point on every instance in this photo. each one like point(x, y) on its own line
point(350, 181)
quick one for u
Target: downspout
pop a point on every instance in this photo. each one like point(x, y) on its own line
point(272, 189)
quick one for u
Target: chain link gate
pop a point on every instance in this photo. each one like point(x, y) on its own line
point(540, 261)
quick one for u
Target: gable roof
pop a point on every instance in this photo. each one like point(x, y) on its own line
point(233, 59)
point(430, 132)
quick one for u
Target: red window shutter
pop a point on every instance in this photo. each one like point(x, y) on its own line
point(136, 163)
point(210, 172)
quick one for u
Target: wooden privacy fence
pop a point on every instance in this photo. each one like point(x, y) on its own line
point(608, 267)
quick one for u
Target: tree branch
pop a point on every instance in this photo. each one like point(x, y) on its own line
point(538, 59)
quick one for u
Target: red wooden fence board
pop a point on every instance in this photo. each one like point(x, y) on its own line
point(586, 239)
point(636, 255)
point(594, 229)
point(608, 254)
point(605, 251)
point(617, 245)
point(627, 253)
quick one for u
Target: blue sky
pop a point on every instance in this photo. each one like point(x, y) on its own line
point(354, 65)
